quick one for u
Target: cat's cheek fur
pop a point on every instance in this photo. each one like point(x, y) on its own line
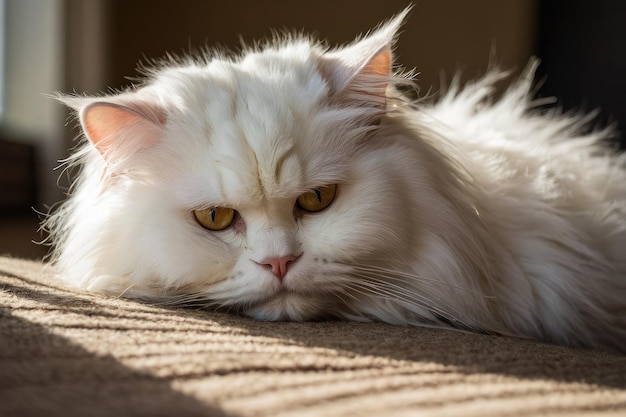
point(174, 251)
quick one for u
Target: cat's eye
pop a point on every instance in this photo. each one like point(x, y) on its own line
point(317, 199)
point(215, 218)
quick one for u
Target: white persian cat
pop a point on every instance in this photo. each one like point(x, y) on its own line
point(296, 182)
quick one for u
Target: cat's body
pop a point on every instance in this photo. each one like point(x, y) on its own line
point(464, 213)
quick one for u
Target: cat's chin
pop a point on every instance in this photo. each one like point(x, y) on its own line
point(291, 306)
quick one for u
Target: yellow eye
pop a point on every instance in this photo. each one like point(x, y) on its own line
point(317, 199)
point(215, 218)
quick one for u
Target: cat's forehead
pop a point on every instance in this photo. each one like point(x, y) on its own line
point(251, 121)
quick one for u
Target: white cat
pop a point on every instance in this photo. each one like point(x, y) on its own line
point(295, 182)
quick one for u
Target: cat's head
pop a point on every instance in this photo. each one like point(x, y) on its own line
point(256, 183)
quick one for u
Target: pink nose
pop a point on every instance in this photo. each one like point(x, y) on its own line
point(278, 266)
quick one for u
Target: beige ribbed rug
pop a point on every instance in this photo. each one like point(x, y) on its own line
point(66, 353)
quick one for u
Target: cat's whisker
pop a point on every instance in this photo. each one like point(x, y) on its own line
point(344, 292)
point(200, 300)
point(183, 300)
point(395, 293)
point(406, 277)
point(405, 293)
point(411, 280)
point(368, 291)
point(121, 295)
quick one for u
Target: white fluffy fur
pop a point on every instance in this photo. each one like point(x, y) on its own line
point(465, 212)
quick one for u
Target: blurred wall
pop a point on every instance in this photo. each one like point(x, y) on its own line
point(583, 51)
point(34, 64)
point(439, 35)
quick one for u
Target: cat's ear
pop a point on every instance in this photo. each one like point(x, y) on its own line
point(362, 70)
point(120, 127)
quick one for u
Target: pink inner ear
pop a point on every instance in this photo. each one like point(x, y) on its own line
point(363, 68)
point(118, 130)
point(380, 64)
point(103, 121)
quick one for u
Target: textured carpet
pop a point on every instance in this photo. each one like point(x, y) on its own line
point(67, 353)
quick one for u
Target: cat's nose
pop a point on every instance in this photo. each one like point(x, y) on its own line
point(279, 265)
